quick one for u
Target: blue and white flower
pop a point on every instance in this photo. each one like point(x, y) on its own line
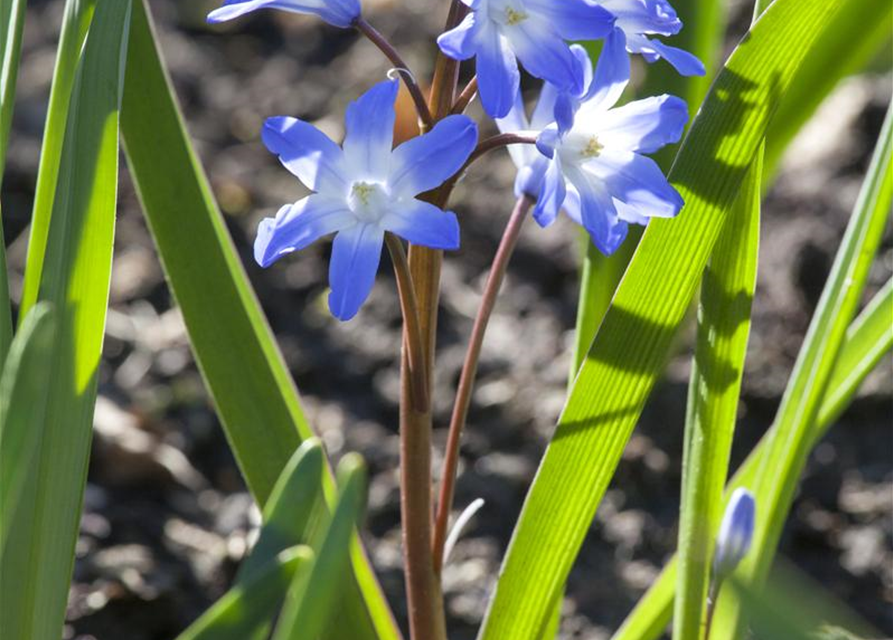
point(363, 190)
point(339, 13)
point(590, 163)
point(499, 33)
point(637, 19)
point(735, 533)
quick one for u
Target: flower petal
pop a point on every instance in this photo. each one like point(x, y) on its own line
point(574, 19)
point(529, 180)
point(597, 211)
point(544, 54)
point(460, 43)
point(644, 125)
point(356, 253)
point(636, 181)
point(307, 152)
point(340, 13)
point(298, 225)
point(369, 135)
point(685, 63)
point(551, 195)
point(611, 76)
point(644, 16)
point(516, 120)
point(423, 224)
point(425, 162)
point(497, 71)
point(544, 112)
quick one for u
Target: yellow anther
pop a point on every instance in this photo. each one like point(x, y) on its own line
point(593, 148)
point(513, 17)
point(361, 191)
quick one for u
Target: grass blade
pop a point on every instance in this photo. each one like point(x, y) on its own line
point(251, 605)
point(233, 345)
point(36, 565)
point(22, 408)
point(868, 339)
point(723, 330)
point(313, 597)
point(775, 484)
point(637, 333)
point(75, 22)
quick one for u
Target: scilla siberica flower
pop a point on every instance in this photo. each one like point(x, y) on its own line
point(340, 13)
point(593, 168)
point(735, 533)
point(363, 190)
point(501, 32)
point(637, 18)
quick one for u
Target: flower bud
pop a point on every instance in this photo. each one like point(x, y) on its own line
point(735, 533)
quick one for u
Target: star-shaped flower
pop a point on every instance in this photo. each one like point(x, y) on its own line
point(501, 32)
point(340, 13)
point(363, 190)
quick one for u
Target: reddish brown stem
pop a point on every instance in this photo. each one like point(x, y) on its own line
point(484, 147)
point(469, 370)
point(465, 98)
point(413, 334)
point(401, 67)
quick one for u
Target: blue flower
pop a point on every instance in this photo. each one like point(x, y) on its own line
point(735, 533)
point(340, 13)
point(362, 190)
point(501, 32)
point(637, 18)
point(597, 172)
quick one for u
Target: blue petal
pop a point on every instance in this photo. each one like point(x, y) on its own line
point(597, 211)
point(544, 112)
point(423, 224)
point(636, 181)
point(545, 55)
point(548, 140)
point(356, 253)
point(565, 109)
point(369, 137)
point(298, 225)
point(552, 194)
point(307, 152)
point(340, 13)
point(515, 121)
point(529, 180)
point(574, 19)
point(683, 61)
point(498, 75)
point(611, 72)
point(425, 162)
point(461, 43)
point(644, 16)
point(644, 125)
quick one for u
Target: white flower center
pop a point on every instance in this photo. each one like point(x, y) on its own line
point(592, 149)
point(514, 16)
point(368, 200)
point(508, 13)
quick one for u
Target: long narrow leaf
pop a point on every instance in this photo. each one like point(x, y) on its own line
point(251, 605)
point(22, 408)
point(718, 365)
point(233, 345)
point(36, 566)
point(637, 332)
point(868, 339)
point(787, 452)
point(313, 598)
point(75, 22)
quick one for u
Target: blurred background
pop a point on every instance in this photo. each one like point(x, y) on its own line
point(167, 518)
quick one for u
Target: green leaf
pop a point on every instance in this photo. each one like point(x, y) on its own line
point(848, 45)
point(75, 22)
point(250, 605)
point(313, 598)
point(723, 329)
point(288, 514)
point(868, 339)
point(782, 465)
point(22, 408)
point(233, 345)
point(36, 566)
point(636, 335)
point(12, 20)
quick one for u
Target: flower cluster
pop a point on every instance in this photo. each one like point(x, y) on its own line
point(588, 159)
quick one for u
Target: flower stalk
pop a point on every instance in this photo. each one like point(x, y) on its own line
point(469, 371)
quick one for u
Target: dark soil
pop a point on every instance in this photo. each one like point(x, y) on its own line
point(167, 516)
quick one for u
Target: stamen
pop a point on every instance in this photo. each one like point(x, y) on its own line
point(593, 148)
point(513, 17)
